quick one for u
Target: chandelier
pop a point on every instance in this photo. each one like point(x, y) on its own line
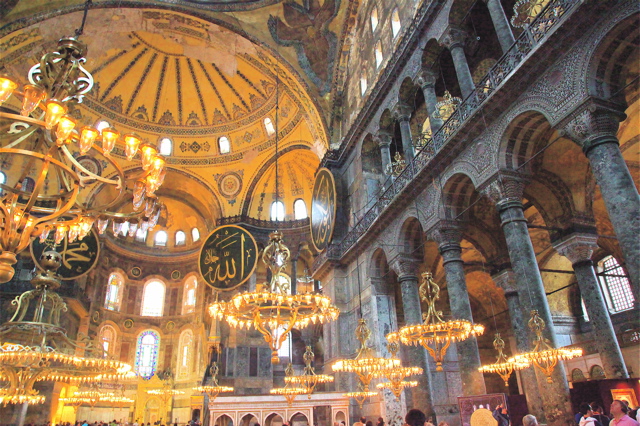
point(95, 395)
point(544, 356)
point(396, 374)
point(34, 346)
point(525, 11)
point(503, 366)
point(50, 135)
point(309, 379)
point(446, 107)
point(434, 334)
point(214, 389)
point(366, 365)
point(396, 167)
point(271, 309)
point(289, 391)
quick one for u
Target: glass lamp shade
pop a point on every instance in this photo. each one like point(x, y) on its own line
point(32, 97)
point(88, 136)
point(109, 138)
point(66, 125)
point(131, 144)
point(7, 87)
point(55, 111)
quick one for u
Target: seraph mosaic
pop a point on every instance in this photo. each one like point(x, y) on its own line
point(306, 28)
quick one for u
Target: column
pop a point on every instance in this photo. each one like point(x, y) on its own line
point(505, 189)
point(578, 248)
point(453, 39)
point(594, 129)
point(384, 142)
point(505, 279)
point(421, 395)
point(501, 24)
point(402, 113)
point(448, 235)
point(427, 81)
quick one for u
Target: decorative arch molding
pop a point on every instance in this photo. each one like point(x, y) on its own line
point(411, 236)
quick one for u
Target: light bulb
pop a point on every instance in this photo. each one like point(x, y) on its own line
point(102, 225)
point(7, 87)
point(61, 231)
point(32, 97)
point(55, 110)
point(131, 143)
point(88, 135)
point(109, 138)
point(65, 127)
point(148, 154)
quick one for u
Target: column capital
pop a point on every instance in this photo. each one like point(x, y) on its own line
point(594, 122)
point(447, 233)
point(504, 188)
point(453, 37)
point(577, 247)
point(506, 280)
point(402, 112)
point(426, 78)
point(383, 138)
point(406, 267)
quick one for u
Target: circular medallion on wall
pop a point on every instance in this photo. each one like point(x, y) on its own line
point(95, 317)
point(175, 275)
point(78, 257)
point(323, 209)
point(170, 326)
point(128, 323)
point(136, 271)
point(230, 184)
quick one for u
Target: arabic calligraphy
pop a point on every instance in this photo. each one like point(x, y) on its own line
point(228, 257)
point(78, 257)
point(323, 209)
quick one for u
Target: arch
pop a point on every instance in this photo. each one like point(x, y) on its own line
point(153, 298)
point(458, 193)
point(386, 121)
point(147, 348)
point(597, 372)
point(459, 10)
point(223, 420)
point(249, 419)
point(300, 209)
point(181, 238)
point(610, 67)
point(370, 155)
point(107, 338)
point(160, 238)
point(189, 295)
point(274, 419)
point(577, 376)
point(407, 91)
point(430, 54)
point(411, 237)
point(277, 211)
point(520, 138)
point(115, 286)
point(185, 354)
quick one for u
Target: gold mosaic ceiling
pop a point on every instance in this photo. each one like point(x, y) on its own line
point(164, 74)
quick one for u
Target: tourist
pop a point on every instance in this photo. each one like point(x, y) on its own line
point(530, 420)
point(587, 418)
point(380, 422)
point(501, 415)
point(361, 422)
point(415, 417)
point(429, 422)
point(619, 411)
point(598, 414)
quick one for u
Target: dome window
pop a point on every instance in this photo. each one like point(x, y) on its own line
point(160, 239)
point(299, 209)
point(195, 234)
point(268, 126)
point(395, 22)
point(277, 210)
point(165, 147)
point(181, 238)
point(224, 145)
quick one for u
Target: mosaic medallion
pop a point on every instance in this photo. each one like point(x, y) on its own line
point(230, 184)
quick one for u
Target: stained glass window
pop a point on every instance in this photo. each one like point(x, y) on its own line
point(153, 299)
point(189, 295)
point(185, 354)
point(615, 285)
point(147, 354)
point(114, 290)
point(108, 339)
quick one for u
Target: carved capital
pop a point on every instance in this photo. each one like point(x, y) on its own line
point(453, 37)
point(383, 138)
point(406, 267)
point(427, 78)
point(504, 187)
point(577, 247)
point(593, 123)
point(402, 112)
point(447, 233)
point(506, 280)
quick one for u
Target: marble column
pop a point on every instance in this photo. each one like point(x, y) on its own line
point(595, 128)
point(506, 189)
point(501, 24)
point(420, 396)
point(427, 81)
point(453, 39)
point(384, 142)
point(448, 235)
point(578, 248)
point(402, 113)
point(506, 280)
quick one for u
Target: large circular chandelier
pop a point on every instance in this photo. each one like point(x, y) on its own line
point(214, 389)
point(396, 374)
point(309, 379)
point(544, 356)
point(289, 391)
point(503, 366)
point(50, 135)
point(434, 334)
point(35, 347)
point(271, 309)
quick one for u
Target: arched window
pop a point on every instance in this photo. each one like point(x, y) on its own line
point(189, 295)
point(165, 146)
point(160, 239)
point(185, 354)
point(181, 238)
point(153, 299)
point(195, 234)
point(28, 184)
point(108, 339)
point(3, 178)
point(374, 19)
point(615, 285)
point(141, 235)
point(224, 145)
point(102, 124)
point(277, 210)
point(363, 85)
point(378, 54)
point(268, 126)
point(114, 292)
point(147, 354)
point(299, 209)
point(395, 22)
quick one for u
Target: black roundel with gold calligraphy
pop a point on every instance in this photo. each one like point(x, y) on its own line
point(228, 257)
point(78, 257)
point(323, 209)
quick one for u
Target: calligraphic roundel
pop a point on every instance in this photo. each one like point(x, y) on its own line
point(323, 209)
point(228, 257)
point(78, 257)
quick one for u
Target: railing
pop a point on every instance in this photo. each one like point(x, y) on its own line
point(530, 38)
point(260, 223)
